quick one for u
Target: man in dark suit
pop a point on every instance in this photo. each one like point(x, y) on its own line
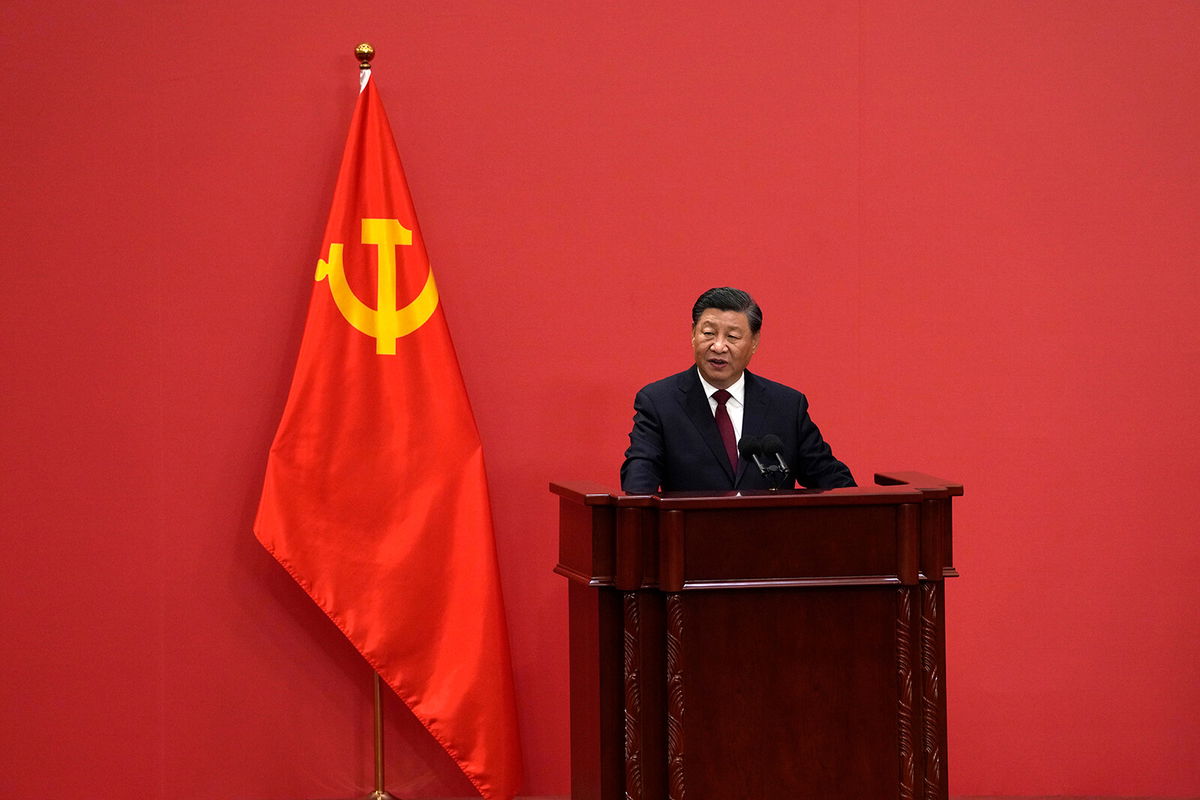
point(686, 427)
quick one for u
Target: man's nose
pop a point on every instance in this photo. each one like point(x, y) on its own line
point(720, 344)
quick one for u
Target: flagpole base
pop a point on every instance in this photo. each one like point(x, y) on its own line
point(380, 794)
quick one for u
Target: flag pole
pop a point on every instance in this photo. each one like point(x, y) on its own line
point(364, 53)
point(380, 793)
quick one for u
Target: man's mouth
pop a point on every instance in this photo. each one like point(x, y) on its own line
point(717, 362)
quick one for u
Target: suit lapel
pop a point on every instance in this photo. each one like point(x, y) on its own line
point(696, 407)
point(754, 419)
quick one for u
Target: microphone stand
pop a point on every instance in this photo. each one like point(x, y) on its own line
point(776, 474)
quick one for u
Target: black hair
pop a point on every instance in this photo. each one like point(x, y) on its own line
point(726, 298)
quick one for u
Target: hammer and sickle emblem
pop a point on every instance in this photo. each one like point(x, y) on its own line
point(385, 322)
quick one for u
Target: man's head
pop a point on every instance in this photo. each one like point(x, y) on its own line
point(725, 326)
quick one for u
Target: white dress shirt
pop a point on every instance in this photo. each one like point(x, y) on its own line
point(735, 405)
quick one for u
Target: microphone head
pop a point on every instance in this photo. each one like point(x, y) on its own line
point(771, 444)
point(750, 446)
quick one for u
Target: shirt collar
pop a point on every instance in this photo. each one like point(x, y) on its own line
point(737, 391)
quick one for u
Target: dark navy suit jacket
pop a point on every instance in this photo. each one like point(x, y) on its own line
point(675, 445)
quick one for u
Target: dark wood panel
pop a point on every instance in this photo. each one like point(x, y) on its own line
point(790, 693)
point(597, 757)
point(790, 543)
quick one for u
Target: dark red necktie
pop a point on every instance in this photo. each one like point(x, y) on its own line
point(725, 426)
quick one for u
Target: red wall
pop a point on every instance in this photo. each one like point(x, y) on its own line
point(972, 226)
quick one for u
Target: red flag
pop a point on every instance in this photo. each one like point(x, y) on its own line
point(375, 497)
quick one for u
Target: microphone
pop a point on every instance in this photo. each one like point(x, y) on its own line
point(755, 449)
point(772, 445)
point(751, 448)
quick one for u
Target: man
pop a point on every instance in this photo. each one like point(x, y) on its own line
point(686, 427)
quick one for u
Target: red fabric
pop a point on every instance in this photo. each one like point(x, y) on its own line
point(375, 497)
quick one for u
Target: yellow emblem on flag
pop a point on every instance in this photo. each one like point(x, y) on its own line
point(385, 322)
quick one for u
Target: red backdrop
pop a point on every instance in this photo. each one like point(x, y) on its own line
point(973, 229)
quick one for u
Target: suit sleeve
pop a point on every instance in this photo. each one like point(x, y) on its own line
point(817, 467)
point(642, 471)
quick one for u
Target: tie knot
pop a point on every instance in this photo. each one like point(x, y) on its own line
point(720, 395)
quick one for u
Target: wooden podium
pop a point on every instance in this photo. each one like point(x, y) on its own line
point(759, 646)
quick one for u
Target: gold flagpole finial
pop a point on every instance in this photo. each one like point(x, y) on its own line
point(364, 53)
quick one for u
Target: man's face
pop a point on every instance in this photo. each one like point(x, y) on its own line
point(723, 345)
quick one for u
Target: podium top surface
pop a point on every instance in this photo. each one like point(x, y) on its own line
point(891, 488)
